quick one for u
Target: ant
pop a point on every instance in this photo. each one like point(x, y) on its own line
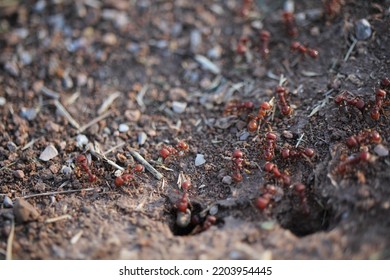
point(269, 147)
point(82, 162)
point(296, 46)
point(289, 23)
point(363, 156)
point(283, 104)
point(263, 201)
point(264, 38)
point(332, 7)
point(179, 150)
point(246, 7)
point(295, 153)
point(274, 170)
point(236, 107)
point(385, 84)
point(242, 46)
point(238, 163)
point(254, 122)
point(300, 189)
point(127, 177)
point(363, 138)
point(345, 97)
point(380, 96)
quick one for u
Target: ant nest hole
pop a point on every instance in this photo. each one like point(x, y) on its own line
point(194, 221)
point(302, 222)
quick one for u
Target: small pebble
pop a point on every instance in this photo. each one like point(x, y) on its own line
point(81, 140)
point(244, 136)
point(227, 180)
point(19, 174)
point(24, 211)
point(25, 58)
point(11, 146)
point(142, 138)
point(215, 52)
point(195, 40)
point(49, 153)
point(11, 68)
point(213, 210)
point(2, 101)
point(123, 127)
point(51, 126)
point(199, 160)
point(287, 134)
point(381, 150)
point(29, 113)
point(363, 29)
point(179, 107)
point(66, 170)
point(110, 39)
point(7, 202)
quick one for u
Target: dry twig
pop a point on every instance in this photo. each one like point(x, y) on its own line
point(62, 109)
point(10, 241)
point(58, 192)
point(95, 120)
point(149, 167)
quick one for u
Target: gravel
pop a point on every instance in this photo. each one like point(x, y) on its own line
point(49, 153)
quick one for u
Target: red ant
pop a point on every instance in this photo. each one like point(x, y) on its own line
point(237, 165)
point(300, 189)
point(182, 203)
point(380, 96)
point(332, 7)
point(186, 185)
point(274, 170)
point(264, 38)
point(263, 201)
point(254, 122)
point(236, 107)
point(242, 46)
point(296, 46)
point(295, 153)
point(179, 150)
point(385, 84)
point(284, 106)
point(246, 7)
point(363, 138)
point(345, 97)
point(210, 220)
point(361, 157)
point(289, 23)
point(82, 162)
point(269, 147)
point(127, 177)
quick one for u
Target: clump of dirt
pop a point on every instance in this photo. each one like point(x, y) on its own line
point(116, 82)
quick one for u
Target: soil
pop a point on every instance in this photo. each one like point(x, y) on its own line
point(166, 71)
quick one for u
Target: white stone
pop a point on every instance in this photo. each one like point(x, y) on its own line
point(49, 153)
point(123, 127)
point(142, 138)
point(381, 150)
point(2, 101)
point(7, 202)
point(179, 107)
point(199, 160)
point(81, 140)
point(227, 180)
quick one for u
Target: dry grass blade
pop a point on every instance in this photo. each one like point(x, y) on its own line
point(111, 98)
point(50, 93)
point(95, 120)
point(103, 157)
point(56, 219)
point(66, 114)
point(10, 240)
point(354, 42)
point(140, 97)
point(58, 192)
